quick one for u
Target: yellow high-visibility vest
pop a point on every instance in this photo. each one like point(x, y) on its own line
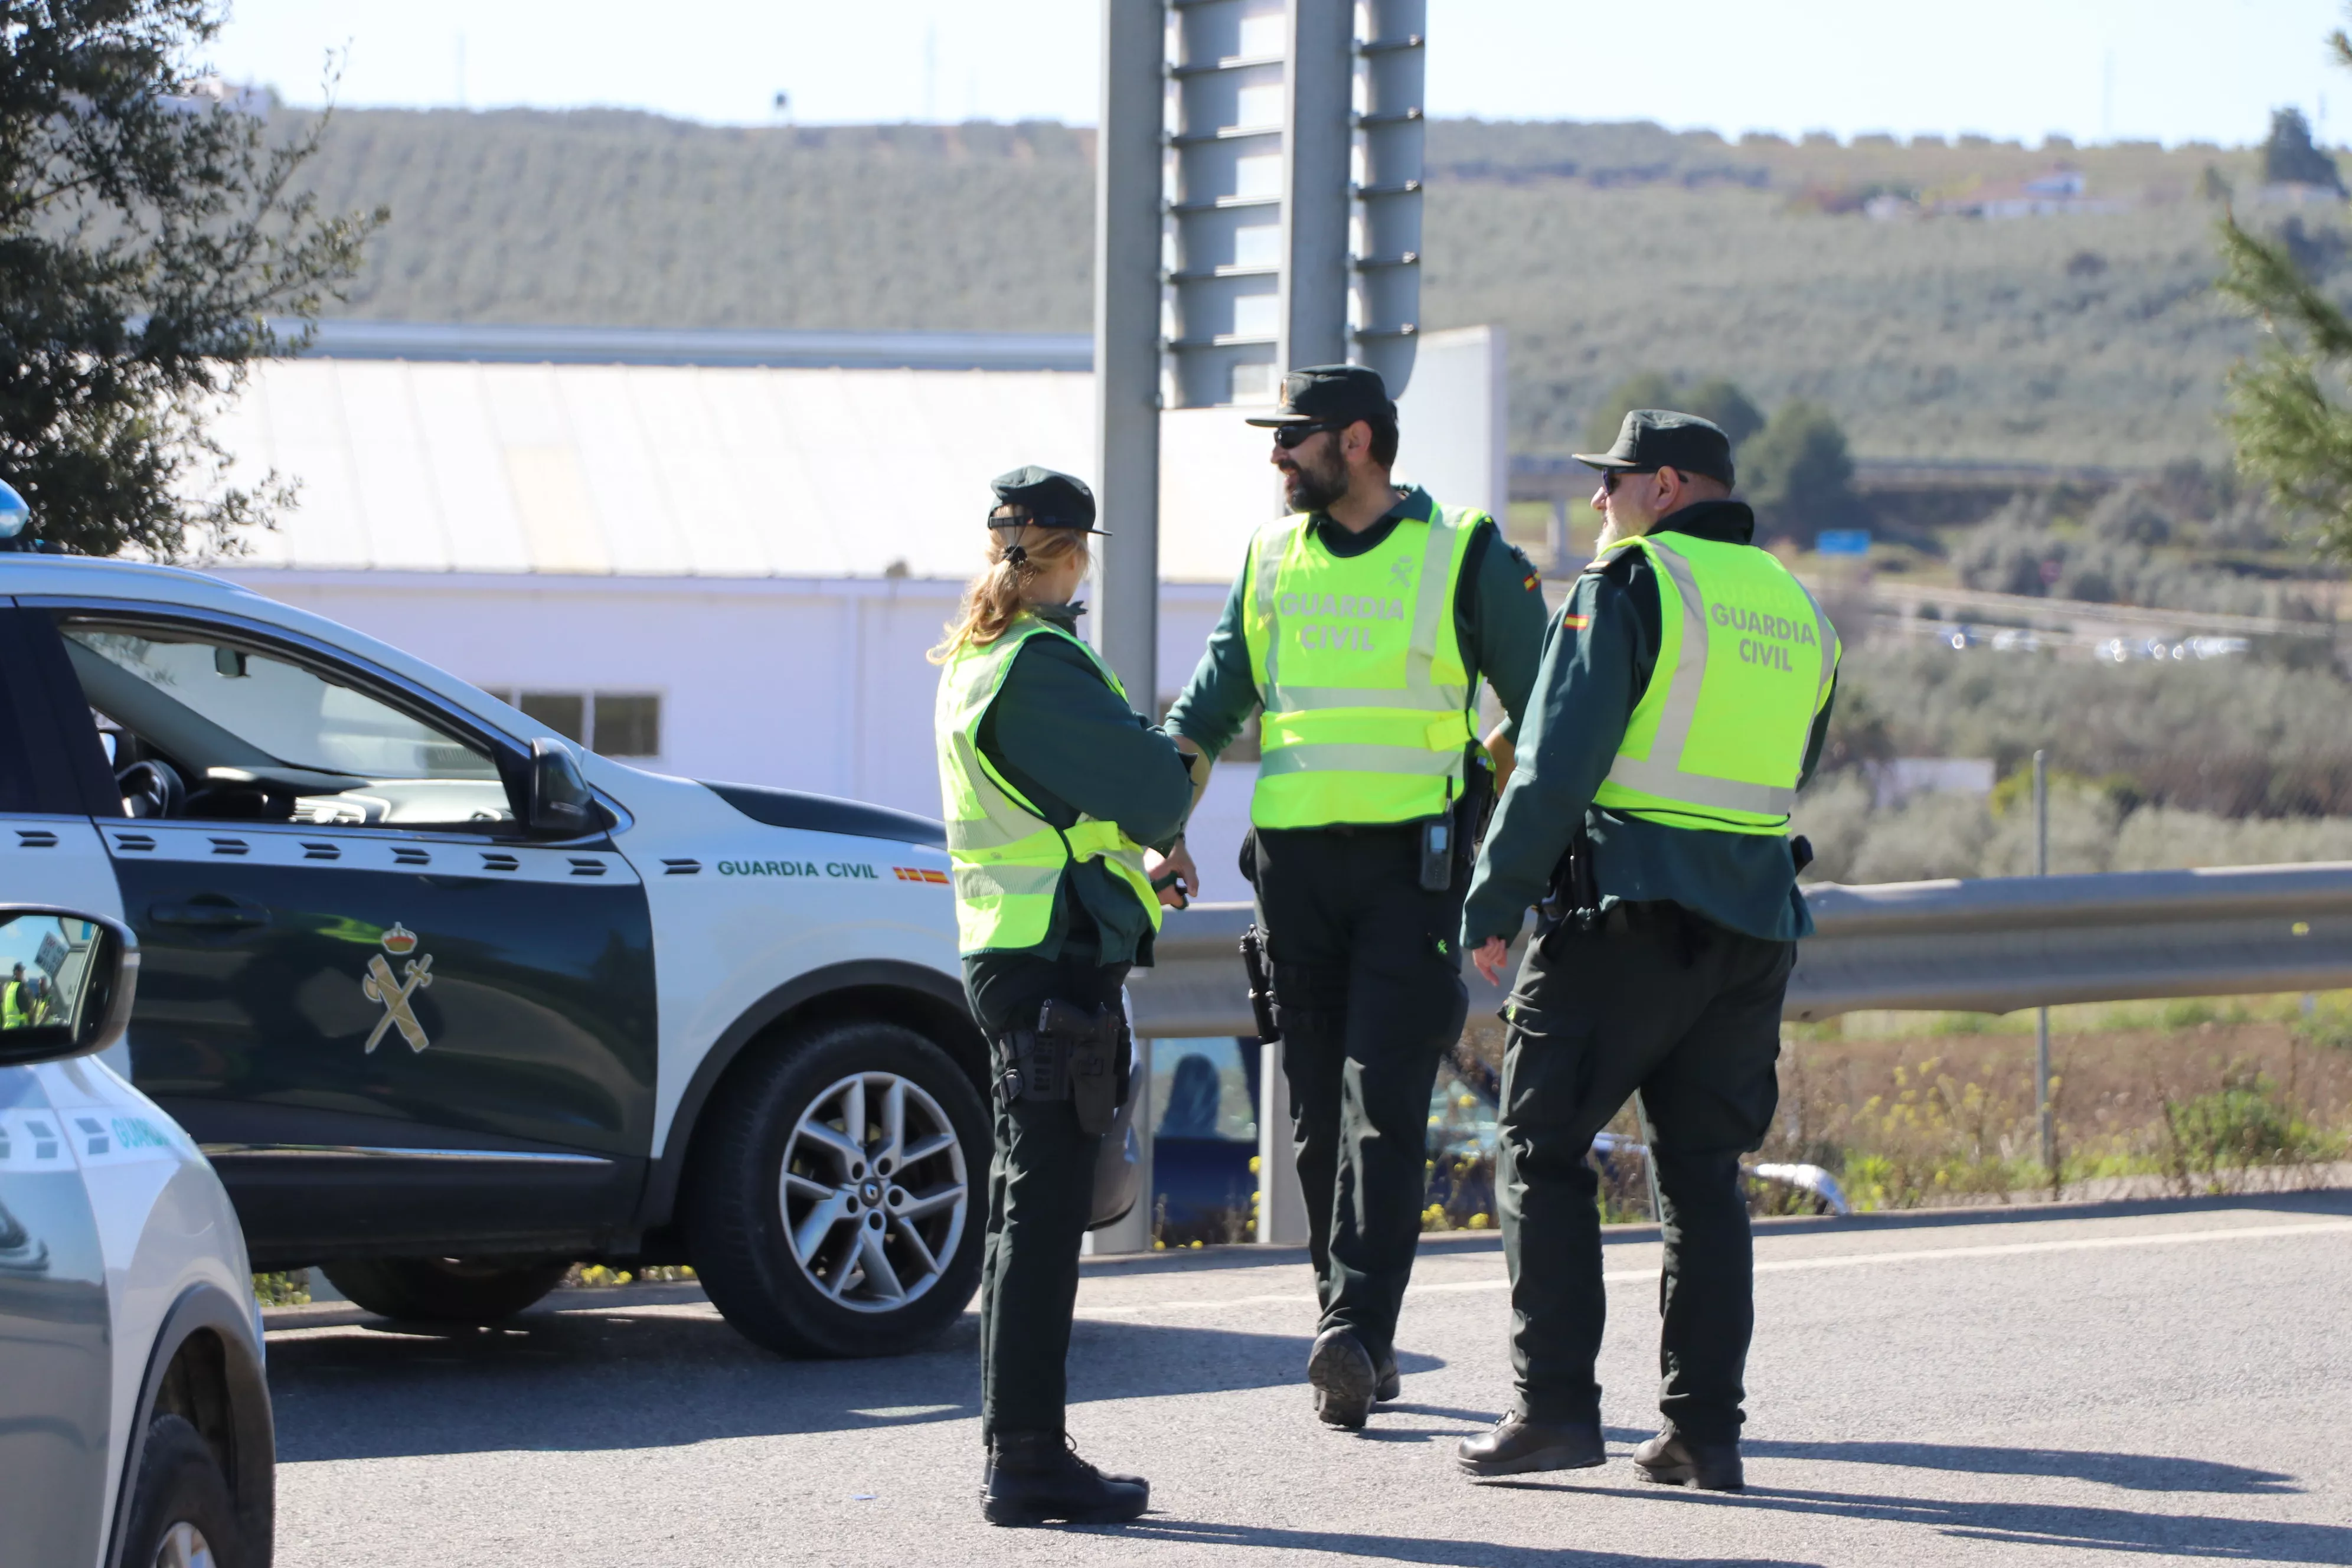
point(1745, 662)
point(1366, 695)
point(1006, 858)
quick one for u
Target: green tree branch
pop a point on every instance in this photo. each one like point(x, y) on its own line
point(2287, 414)
point(151, 227)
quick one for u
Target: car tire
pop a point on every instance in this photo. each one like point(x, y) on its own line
point(447, 1289)
point(814, 1244)
point(182, 1515)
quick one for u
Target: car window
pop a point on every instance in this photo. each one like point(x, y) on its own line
point(202, 726)
point(16, 761)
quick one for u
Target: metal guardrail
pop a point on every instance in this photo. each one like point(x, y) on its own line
point(1988, 946)
point(2007, 942)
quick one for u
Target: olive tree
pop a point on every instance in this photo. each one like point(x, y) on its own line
point(151, 228)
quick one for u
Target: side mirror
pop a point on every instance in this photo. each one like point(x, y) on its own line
point(561, 805)
point(65, 983)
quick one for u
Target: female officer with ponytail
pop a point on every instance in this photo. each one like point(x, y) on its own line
point(1051, 785)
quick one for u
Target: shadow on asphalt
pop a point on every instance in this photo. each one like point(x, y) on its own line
point(1410, 1548)
point(2019, 1523)
point(2136, 1472)
point(356, 1388)
point(2049, 1524)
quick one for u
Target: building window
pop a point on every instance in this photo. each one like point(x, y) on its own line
point(628, 724)
point(565, 713)
point(609, 723)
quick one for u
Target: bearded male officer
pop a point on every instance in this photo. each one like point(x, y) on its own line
point(1684, 692)
point(1362, 625)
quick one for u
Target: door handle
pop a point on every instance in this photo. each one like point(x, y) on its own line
point(210, 911)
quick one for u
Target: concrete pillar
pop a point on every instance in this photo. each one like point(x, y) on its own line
point(1281, 1211)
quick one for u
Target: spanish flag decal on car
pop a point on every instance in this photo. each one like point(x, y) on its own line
point(917, 874)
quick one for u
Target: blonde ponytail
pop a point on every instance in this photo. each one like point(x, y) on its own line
point(992, 599)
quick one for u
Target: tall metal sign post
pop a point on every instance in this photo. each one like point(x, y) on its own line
point(1387, 257)
point(1258, 206)
point(1128, 152)
point(2043, 1113)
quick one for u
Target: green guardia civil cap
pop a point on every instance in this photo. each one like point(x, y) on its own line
point(1051, 499)
point(1330, 395)
point(1653, 439)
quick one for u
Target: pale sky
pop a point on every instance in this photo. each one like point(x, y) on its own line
point(2168, 70)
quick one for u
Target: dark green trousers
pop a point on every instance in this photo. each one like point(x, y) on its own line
point(1688, 1015)
point(1369, 981)
point(1041, 1187)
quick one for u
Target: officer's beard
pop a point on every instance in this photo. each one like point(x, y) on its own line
point(1315, 487)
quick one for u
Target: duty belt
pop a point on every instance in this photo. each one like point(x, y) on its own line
point(1072, 1054)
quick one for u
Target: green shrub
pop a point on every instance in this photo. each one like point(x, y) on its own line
point(292, 1288)
point(2211, 1140)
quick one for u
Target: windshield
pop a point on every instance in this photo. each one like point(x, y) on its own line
point(245, 732)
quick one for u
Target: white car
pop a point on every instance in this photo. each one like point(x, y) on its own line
point(450, 1005)
point(135, 1416)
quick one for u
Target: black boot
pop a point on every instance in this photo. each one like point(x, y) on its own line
point(1037, 1476)
point(1518, 1446)
point(1671, 1459)
point(1386, 1383)
point(1340, 1371)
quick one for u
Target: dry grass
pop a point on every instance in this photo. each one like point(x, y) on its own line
point(2181, 1097)
point(1917, 1109)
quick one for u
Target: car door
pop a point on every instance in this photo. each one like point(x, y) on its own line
point(394, 1020)
point(55, 1371)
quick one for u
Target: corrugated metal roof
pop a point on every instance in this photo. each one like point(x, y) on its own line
point(659, 469)
point(656, 471)
point(501, 344)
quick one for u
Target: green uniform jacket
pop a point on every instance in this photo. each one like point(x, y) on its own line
point(1067, 743)
point(1498, 619)
point(1598, 656)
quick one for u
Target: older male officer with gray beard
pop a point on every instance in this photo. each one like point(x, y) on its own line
point(1684, 697)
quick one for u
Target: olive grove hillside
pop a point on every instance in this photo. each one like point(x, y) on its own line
point(2154, 764)
point(2091, 336)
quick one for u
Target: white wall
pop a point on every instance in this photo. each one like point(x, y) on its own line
point(1454, 425)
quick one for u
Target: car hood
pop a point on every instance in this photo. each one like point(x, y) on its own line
point(828, 814)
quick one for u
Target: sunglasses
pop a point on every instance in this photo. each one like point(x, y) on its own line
point(1288, 436)
point(1608, 477)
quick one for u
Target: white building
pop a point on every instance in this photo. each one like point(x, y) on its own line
point(724, 554)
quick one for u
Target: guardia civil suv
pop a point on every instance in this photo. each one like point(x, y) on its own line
point(449, 1005)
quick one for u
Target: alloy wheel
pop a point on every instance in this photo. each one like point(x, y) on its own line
point(875, 1193)
point(184, 1546)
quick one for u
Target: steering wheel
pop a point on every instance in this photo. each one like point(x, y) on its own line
point(152, 788)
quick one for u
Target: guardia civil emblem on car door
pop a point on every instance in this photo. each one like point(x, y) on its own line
point(380, 984)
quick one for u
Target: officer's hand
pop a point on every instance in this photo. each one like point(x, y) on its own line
point(1174, 875)
point(1490, 958)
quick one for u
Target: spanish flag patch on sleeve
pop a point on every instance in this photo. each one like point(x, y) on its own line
point(1531, 582)
point(1576, 623)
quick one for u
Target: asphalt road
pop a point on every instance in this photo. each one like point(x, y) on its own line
point(2167, 1382)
